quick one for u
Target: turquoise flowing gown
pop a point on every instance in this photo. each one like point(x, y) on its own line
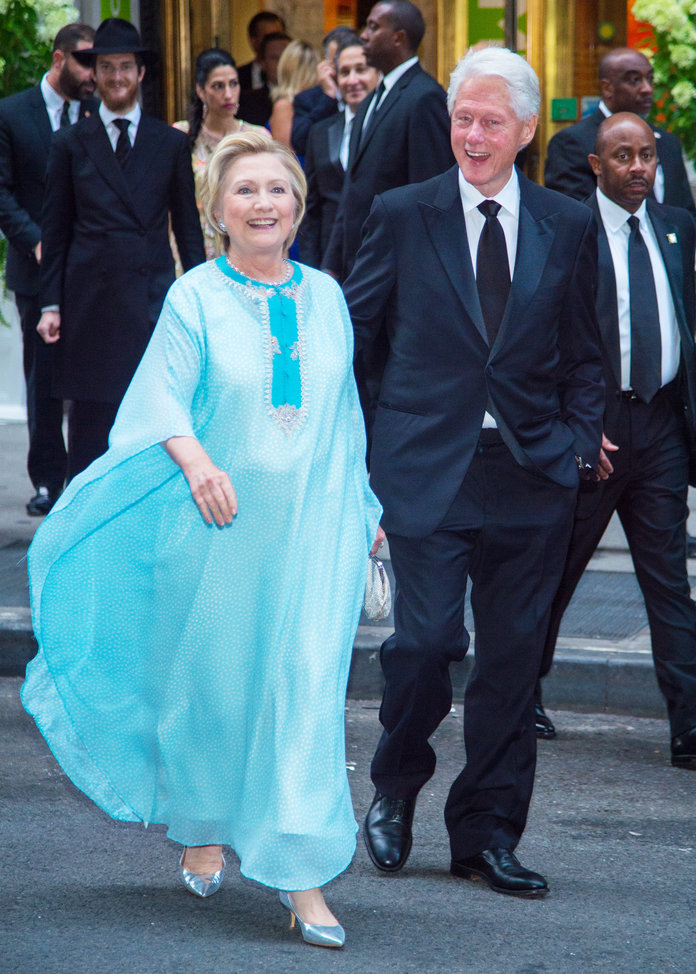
point(192, 675)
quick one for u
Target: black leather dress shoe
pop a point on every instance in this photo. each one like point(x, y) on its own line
point(543, 723)
point(387, 831)
point(42, 502)
point(501, 869)
point(684, 750)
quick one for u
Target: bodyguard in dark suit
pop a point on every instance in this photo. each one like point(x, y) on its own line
point(112, 182)
point(27, 121)
point(489, 413)
point(400, 135)
point(646, 309)
point(328, 146)
point(626, 85)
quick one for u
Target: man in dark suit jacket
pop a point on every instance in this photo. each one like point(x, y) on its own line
point(400, 135)
point(255, 104)
point(27, 121)
point(327, 149)
point(649, 422)
point(321, 100)
point(489, 413)
point(251, 75)
point(107, 261)
point(626, 85)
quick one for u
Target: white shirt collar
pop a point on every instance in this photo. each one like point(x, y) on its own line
point(394, 75)
point(508, 197)
point(54, 101)
point(615, 216)
point(133, 116)
point(348, 115)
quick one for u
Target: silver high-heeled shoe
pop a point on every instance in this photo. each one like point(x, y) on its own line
point(313, 933)
point(201, 884)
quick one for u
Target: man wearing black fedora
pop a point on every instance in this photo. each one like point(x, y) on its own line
point(113, 182)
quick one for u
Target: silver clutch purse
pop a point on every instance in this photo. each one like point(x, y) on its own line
point(378, 598)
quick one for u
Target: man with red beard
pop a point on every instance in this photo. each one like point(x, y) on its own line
point(27, 122)
point(113, 181)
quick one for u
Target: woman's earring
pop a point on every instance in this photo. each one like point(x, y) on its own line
point(222, 226)
point(205, 108)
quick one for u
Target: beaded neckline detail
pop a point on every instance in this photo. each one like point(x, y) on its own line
point(289, 271)
point(257, 295)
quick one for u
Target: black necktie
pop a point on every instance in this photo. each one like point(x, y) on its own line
point(646, 343)
point(492, 269)
point(123, 145)
point(379, 91)
point(65, 115)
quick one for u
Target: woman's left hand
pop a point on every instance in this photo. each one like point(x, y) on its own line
point(380, 538)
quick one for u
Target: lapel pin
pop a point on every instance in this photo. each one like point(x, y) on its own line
point(672, 237)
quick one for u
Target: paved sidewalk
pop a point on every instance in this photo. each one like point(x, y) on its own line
point(611, 827)
point(603, 662)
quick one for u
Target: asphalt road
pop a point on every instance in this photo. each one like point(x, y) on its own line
point(611, 827)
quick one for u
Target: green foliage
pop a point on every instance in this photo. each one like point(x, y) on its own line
point(674, 64)
point(24, 57)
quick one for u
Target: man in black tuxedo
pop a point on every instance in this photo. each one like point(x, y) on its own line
point(321, 100)
point(400, 135)
point(327, 149)
point(647, 311)
point(112, 183)
point(490, 411)
point(252, 75)
point(27, 121)
point(626, 85)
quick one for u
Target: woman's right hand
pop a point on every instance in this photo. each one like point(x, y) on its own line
point(213, 493)
point(210, 487)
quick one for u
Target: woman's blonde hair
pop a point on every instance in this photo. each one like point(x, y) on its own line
point(234, 147)
point(297, 70)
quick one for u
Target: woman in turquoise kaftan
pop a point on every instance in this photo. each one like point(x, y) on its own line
point(195, 675)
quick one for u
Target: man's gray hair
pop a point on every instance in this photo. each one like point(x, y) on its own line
point(518, 75)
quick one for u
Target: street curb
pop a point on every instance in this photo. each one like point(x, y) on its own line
point(587, 680)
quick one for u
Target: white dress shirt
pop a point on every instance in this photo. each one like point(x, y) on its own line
point(348, 116)
point(54, 105)
point(509, 219)
point(389, 80)
point(659, 187)
point(113, 131)
point(615, 220)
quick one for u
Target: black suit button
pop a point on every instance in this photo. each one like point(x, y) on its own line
point(618, 394)
point(489, 370)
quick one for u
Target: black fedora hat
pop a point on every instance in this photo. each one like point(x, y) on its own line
point(115, 36)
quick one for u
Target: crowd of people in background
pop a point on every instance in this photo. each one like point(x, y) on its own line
point(517, 362)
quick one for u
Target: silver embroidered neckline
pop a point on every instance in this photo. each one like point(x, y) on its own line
point(288, 275)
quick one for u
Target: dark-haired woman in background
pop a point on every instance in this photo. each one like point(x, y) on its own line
point(212, 115)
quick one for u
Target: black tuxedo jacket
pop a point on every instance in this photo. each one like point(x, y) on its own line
point(406, 142)
point(541, 380)
point(25, 139)
point(568, 171)
point(107, 262)
point(325, 176)
point(308, 107)
point(676, 238)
